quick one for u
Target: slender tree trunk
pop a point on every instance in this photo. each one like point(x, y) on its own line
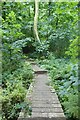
point(36, 21)
point(49, 5)
point(31, 25)
point(57, 22)
point(49, 13)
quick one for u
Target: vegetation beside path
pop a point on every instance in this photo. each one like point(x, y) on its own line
point(64, 78)
point(15, 87)
point(54, 43)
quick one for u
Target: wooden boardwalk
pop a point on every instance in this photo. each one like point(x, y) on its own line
point(45, 104)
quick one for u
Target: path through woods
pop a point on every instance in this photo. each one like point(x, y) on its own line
point(45, 104)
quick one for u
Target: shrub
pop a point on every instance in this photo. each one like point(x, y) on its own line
point(27, 75)
point(64, 78)
point(14, 92)
point(71, 106)
point(13, 95)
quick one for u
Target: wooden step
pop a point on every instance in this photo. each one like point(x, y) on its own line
point(43, 118)
point(38, 70)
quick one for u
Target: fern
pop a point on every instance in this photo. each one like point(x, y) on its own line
point(71, 106)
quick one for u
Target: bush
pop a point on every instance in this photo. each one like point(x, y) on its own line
point(71, 106)
point(73, 50)
point(41, 49)
point(14, 92)
point(64, 78)
point(27, 75)
point(13, 96)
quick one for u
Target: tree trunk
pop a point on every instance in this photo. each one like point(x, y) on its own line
point(49, 7)
point(36, 20)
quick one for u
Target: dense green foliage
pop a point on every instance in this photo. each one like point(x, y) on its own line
point(58, 32)
point(64, 78)
point(60, 25)
point(16, 73)
point(57, 24)
point(14, 92)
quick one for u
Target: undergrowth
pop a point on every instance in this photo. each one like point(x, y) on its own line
point(15, 87)
point(64, 78)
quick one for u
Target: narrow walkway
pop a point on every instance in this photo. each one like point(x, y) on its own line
point(45, 103)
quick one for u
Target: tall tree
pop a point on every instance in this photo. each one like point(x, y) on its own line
point(36, 20)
